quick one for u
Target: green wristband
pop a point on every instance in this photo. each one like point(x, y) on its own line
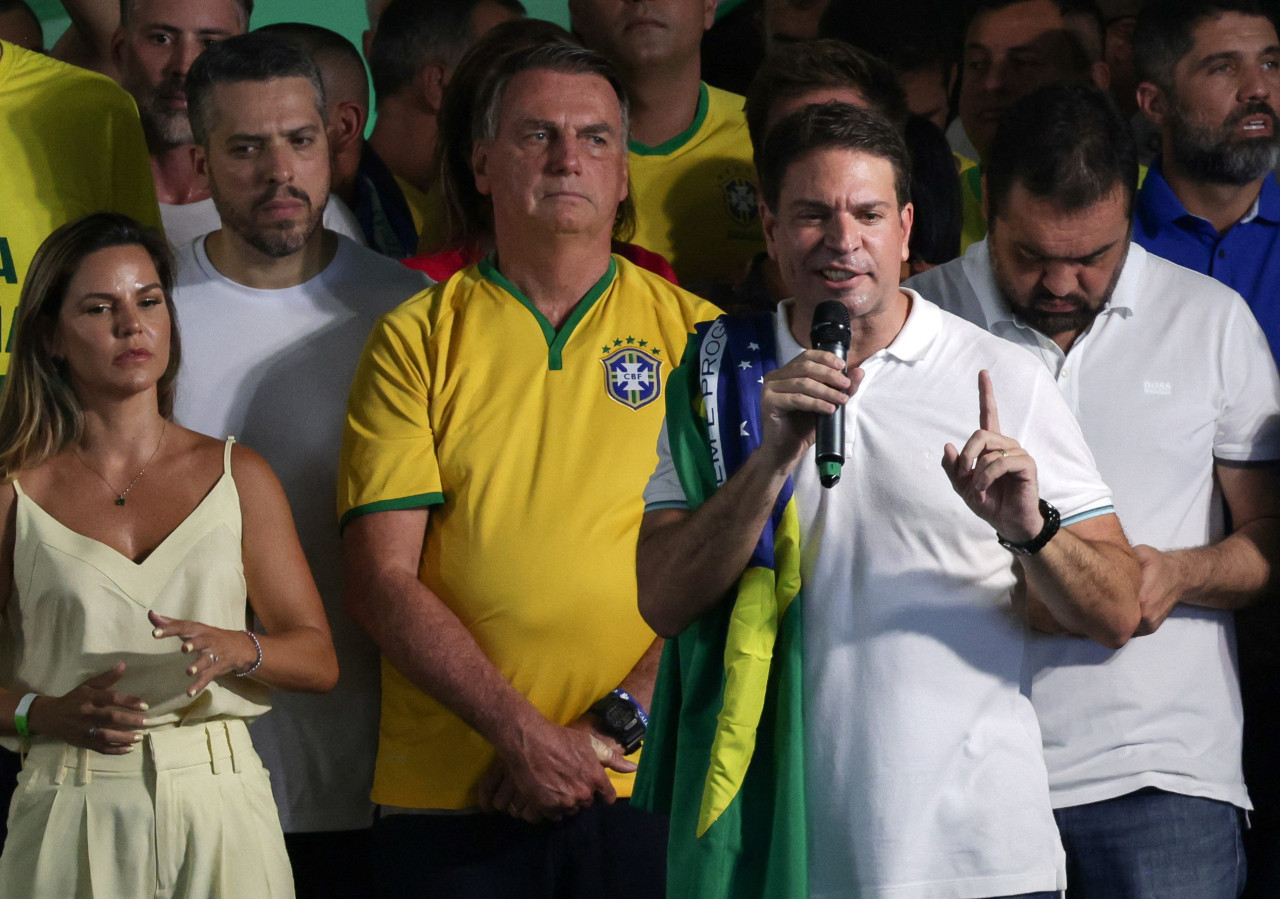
point(20, 714)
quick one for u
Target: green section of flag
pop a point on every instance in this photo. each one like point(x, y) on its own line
point(737, 816)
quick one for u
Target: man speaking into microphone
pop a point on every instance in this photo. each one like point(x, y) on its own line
point(839, 710)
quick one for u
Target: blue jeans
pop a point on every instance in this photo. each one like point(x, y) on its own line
point(1151, 844)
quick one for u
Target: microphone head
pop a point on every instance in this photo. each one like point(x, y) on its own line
point(830, 324)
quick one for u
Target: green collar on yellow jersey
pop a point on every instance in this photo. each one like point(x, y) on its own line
point(670, 146)
point(555, 340)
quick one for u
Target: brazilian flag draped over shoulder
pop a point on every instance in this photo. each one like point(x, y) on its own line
point(724, 754)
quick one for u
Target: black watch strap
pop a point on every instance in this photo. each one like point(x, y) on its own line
point(1052, 521)
point(622, 718)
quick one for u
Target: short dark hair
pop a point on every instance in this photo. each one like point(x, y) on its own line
point(1083, 18)
point(323, 44)
point(412, 33)
point(794, 69)
point(246, 10)
point(1068, 143)
point(1163, 33)
point(832, 125)
point(255, 57)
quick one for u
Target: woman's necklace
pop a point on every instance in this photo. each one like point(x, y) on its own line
point(121, 494)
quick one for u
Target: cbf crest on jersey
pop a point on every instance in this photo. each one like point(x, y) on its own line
point(739, 196)
point(632, 376)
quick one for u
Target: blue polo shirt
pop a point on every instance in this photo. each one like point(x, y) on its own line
point(1246, 258)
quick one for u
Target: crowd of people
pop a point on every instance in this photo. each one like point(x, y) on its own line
point(593, 614)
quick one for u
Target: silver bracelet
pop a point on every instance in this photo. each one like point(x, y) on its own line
point(254, 637)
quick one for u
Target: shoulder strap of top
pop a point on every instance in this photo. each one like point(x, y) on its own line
point(226, 455)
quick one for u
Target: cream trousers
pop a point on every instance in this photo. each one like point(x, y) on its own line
point(187, 813)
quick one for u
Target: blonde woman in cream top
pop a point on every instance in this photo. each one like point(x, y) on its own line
point(132, 552)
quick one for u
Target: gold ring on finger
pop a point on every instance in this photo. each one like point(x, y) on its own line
point(1003, 454)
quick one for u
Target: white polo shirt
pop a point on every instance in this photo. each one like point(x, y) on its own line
point(1172, 375)
point(924, 773)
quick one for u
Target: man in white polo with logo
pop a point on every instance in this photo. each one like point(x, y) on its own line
point(1175, 389)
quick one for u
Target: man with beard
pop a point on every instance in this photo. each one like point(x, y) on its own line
point(275, 309)
point(1171, 380)
point(1209, 77)
point(151, 52)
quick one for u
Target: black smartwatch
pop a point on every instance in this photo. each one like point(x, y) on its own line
point(622, 718)
point(1052, 521)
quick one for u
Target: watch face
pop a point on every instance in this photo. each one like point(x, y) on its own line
point(618, 717)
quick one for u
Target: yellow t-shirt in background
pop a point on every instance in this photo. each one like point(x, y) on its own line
point(70, 144)
point(695, 195)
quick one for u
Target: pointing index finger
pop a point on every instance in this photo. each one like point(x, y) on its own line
point(988, 417)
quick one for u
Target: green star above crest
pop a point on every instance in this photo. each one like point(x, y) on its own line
point(631, 340)
point(617, 342)
point(644, 343)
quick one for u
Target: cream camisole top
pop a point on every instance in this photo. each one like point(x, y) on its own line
point(78, 607)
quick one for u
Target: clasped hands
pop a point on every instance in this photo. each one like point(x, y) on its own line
point(94, 716)
point(554, 771)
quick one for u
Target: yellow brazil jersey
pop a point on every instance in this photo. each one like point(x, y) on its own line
point(695, 195)
point(70, 144)
point(532, 448)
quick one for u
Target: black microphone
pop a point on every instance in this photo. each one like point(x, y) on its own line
point(830, 333)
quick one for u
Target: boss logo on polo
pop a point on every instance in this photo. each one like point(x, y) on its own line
point(632, 372)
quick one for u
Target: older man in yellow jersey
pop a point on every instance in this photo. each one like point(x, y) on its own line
point(500, 431)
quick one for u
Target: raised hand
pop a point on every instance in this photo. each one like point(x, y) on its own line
point(92, 715)
point(215, 651)
point(994, 475)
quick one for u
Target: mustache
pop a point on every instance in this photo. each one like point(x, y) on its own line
point(172, 87)
point(276, 193)
point(1252, 109)
point(1040, 293)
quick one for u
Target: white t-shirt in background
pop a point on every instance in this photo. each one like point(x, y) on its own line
point(273, 367)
